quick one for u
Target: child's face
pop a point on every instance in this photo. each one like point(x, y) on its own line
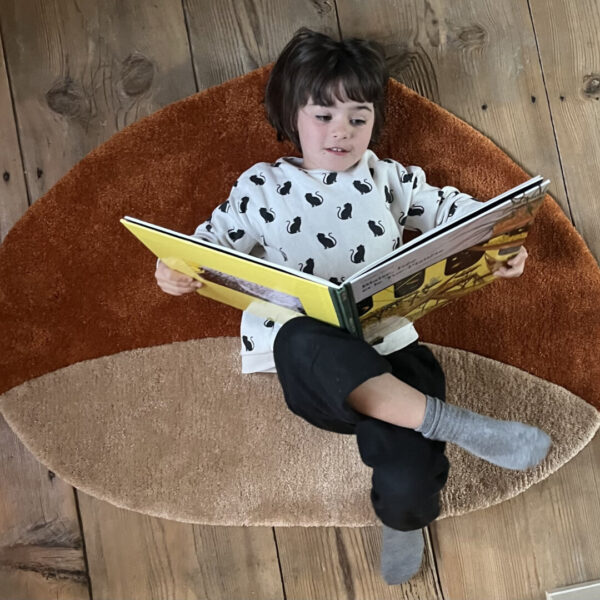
point(334, 138)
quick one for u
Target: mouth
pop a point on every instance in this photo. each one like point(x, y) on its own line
point(337, 150)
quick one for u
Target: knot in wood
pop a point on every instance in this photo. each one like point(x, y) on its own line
point(591, 85)
point(137, 74)
point(473, 36)
point(397, 58)
point(323, 6)
point(67, 98)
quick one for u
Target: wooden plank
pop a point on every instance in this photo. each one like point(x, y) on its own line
point(230, 38)
point(88, 107)
point(570, 53)
point(542, 539)
point(343, 562)
point(81, 70)
point(465, 56)
point(146, 558)
point(470, 58)
point(13, 195)
point(248, 50)
point(41, 550)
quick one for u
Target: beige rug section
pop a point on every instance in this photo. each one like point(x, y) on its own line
point(174, 431)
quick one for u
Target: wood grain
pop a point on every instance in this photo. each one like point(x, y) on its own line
point(81, 70)
point(232, 37)
point(542, 539)
point(432, 47)
point(41, 549)
point(343, 562)
point(140, 557)
point(567, 35)
point(13, 195)
point(470, 58)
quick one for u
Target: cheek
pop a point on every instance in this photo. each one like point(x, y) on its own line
point(367, 134)
point(302, 132)
point(311, 133)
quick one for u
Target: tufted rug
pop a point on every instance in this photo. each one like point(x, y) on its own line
point(135, 396)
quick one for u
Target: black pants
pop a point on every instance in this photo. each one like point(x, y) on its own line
point(319, 365)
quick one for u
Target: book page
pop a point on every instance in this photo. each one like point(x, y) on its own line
point(432, 287)
point(492, 219)
point(448, 267)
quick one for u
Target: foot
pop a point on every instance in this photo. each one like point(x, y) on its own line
point(508, 444)
point(401, 554)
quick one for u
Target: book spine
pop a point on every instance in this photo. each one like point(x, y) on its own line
point(345, 307)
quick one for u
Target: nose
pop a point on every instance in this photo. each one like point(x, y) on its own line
point(340, 130)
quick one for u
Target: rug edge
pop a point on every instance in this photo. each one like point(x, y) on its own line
point(99, 493)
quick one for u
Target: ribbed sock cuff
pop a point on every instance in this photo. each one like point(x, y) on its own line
point(433, 413)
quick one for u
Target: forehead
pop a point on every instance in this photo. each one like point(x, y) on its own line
point(324, 91)
point(345, 104)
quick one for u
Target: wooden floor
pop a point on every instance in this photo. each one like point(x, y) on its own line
point(73, 72)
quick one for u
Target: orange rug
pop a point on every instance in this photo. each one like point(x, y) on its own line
point(75, 285)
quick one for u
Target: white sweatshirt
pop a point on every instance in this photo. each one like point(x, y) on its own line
point(329, 224)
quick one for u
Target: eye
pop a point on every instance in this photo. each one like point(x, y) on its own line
point(323, 117)
point(357, 122)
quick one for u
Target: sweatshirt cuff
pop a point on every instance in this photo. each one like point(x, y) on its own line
point(397, 339)
point(258, 363)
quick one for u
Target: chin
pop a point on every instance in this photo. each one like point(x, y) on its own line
point(349, 163)
point(341, 163)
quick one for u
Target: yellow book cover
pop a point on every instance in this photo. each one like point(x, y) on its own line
point(431, 270)
point(243, 281)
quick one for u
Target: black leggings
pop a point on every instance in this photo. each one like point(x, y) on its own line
point(319, 365)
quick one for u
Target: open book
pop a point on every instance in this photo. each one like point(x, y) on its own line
point(434, 268)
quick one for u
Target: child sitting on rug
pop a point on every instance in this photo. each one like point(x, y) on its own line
point(330, 211)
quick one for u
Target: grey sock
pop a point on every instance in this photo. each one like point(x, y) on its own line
point(508, 444)
point(401, 554)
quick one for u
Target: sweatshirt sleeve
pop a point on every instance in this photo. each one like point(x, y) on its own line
point(430, 206)
point(229, 224)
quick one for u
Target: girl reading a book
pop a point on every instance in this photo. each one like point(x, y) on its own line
point(330, 212)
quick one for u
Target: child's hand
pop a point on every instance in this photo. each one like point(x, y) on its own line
point(515, 266)
point(173, 282)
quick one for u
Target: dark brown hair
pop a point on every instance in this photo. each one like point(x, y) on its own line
point(314, 65)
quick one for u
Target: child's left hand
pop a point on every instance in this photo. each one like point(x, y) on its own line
point(515, 266)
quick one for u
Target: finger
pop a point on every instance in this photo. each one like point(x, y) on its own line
point(520, 257)
point(172, 292)
point(514, 263)
point(169, 289)
point(178, 290)
point(505, 270)
point(166, 274)
point(184, 284)
point(177, 284)
point(174, 277)
point(509, 273)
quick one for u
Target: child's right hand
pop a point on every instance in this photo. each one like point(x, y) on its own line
point(173, 282)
